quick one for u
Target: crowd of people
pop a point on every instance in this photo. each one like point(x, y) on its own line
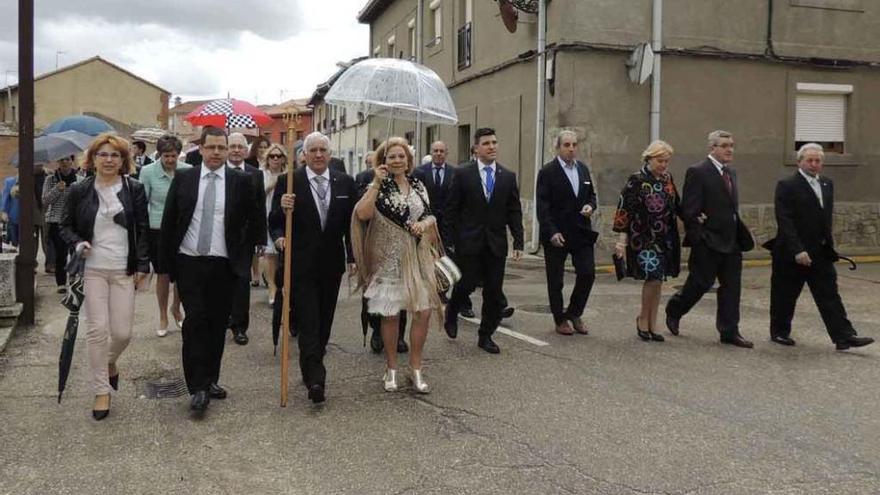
point(213, 228)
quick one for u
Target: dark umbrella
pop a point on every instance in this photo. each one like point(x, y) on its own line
point(72, 301)
point(50, 147)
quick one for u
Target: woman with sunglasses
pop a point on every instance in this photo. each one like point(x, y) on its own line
point(106, 220)
point(276, 164)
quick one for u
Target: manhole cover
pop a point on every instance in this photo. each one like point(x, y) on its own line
point(166, 389)
point(543, 309)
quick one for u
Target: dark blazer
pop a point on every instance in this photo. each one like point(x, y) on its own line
point(802, 223)
point(437, 193)
point(363, 180)
point(316, 252)
point(338, 165)
point(243, 224)
point(705, 192)
point(559, 211)
point(259, 188)
point(472, 224)
point(194, 158)
point(78, 219)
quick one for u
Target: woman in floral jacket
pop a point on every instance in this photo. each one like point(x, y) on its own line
point(646, 220)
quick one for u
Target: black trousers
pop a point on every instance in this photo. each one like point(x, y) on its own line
point(61, 251)
point(705, 265)
point(239, 317)
point(315, 301)
point(205, 286)
point(488, 269)
point(585, 274)
point(786, 283)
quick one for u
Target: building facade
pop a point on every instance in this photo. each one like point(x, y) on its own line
point(291, 123)
point(775, 73)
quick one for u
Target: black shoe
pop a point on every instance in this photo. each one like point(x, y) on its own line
point(451, 325)
point(199, 402)
point(643, 334)
point(737, 341)
point(402, 348)
point(467, 313)
point(781, 339)
point(672, 324)
point(854, 342)
point(114, 381)
point(488, 345)
point(99, 415)
point(376, 343)
point(656, 337)
point(507, 312)
point(316, 393)
point(240, 338)
point(216, 391)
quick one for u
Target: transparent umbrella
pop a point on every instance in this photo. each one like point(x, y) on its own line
point(394, 88)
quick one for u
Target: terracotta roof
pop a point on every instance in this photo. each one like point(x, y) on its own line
point(96, 58)
point(372, 10)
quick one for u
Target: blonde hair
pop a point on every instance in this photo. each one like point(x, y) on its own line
point(392, 142)
point(119, 144)
point(657, 148)
point(278, 147)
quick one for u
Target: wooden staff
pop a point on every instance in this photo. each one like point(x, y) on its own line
point(286, 290)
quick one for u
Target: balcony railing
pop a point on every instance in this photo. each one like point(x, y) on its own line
point(465, 46)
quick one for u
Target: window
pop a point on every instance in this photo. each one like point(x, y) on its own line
point(466, 34)
point(821, 115)
point(391, 41)
point(377, 51)
point(464, 143)
point(412, 40)
point(282, 138)
point(435, 22)
point(432, 135)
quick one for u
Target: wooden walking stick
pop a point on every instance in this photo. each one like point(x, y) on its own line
point(286, 291)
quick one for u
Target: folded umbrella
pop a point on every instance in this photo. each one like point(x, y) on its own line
point(72, 301)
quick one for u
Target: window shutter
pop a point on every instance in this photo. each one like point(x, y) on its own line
point(820, 117)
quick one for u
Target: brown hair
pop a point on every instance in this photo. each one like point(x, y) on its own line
point(119, 144)
point(254, 153)
point(392, 142)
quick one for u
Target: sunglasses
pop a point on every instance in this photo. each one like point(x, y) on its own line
point(277, 157)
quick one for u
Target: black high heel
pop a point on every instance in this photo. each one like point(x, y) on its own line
point(643, 334)
point(99, 414)
point(656, 337)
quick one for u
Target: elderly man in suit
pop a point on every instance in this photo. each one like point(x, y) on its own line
point(209, 228)
point(436, 175)
point(803, 252)
point(717, 238)
point(483, 202)
point(566, 200)
point(322, 204)
point(239, 319)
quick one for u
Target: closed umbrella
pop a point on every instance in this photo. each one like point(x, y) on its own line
point(85, 124)
point(72, 301)
point(50, 147)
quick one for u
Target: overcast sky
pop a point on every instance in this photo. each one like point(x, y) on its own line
point(197, 49)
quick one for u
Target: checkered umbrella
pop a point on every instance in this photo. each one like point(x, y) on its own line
point(228, 113)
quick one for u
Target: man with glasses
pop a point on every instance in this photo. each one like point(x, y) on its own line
point(208, 232)
point(717, 237)
point(239, 319)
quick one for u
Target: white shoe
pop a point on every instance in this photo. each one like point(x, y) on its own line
point(419, 383)
point(161, 332)
point(271, 301)
point(390, 380)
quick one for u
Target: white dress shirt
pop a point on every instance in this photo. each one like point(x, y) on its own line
point(190, 243)
point(814, 183)
point(482, 167)
point(442, 168)
point(571, 172)
point(718, 165)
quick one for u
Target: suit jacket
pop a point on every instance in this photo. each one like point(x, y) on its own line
point(338, 165)
point(802, 223)
point(437, 193)
point(363, 180)
point(242, 222)
point(194, 158)
point(471, 223)
point(705, 192)
point(259, 188)
point(559, 210)
point(316, 252)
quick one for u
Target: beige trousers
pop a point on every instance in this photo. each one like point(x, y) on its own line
point(109, 317)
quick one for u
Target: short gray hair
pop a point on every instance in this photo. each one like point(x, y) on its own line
point(315, 136)
point(716, 136)
point(237, 136)
point(564, 133)
point(810, 147)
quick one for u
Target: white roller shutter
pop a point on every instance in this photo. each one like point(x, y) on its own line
point(820, 117)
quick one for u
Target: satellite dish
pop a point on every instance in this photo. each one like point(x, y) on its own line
point(641, 64)
point(509, 15)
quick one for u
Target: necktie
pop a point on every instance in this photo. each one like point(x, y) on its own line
point(725, 173)
point(437, 179)
point(321, 189)
point(490, 182)
point(206, 228)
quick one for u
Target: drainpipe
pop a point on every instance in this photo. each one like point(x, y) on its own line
point(540, 120)
point(656, 80)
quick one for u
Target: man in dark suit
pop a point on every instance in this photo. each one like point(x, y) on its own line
point(437, 176)
point(803, 252)
point(566, 200)
point(717, 238)
point(483, 203)
point(338, 165)
point(194, 157)
point(206, 240)
point(322, 205)
point(239, 319)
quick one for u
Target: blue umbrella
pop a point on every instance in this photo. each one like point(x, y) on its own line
point(82, 123)
point(52, 147)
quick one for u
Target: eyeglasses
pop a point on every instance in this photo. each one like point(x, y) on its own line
point(215, 147)
point(276, 157)
point(104, 155)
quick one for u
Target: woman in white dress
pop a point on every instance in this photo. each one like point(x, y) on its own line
point(395, 243)
point(276, 164)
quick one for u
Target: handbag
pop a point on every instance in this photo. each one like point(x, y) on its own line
point(446, 272)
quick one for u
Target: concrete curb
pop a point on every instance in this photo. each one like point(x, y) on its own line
point(5, 336)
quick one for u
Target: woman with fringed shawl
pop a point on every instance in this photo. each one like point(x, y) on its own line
point(395, 243)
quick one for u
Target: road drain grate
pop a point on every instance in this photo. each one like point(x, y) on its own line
point(165, 389)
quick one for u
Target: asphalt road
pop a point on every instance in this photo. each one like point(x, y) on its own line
point(604, 413)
